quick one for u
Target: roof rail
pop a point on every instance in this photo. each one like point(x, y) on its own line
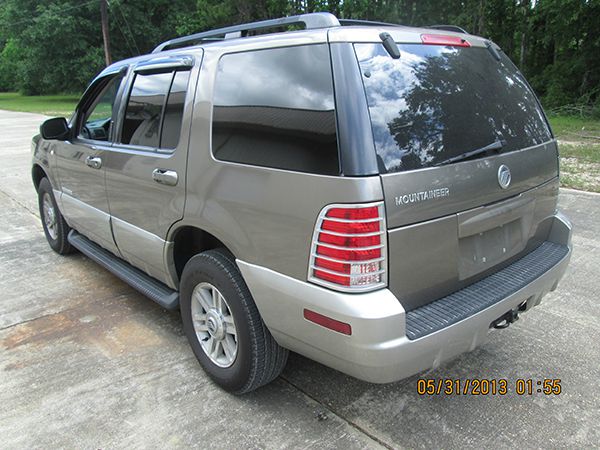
point(368, 23)
point(454, 28)
point(310, 21)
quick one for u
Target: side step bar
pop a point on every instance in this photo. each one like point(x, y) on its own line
point(151, 288)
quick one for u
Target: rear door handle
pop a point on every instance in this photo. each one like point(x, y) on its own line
point(162, 176)
point(93, 161)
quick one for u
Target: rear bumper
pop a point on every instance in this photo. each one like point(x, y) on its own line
point(379, 349)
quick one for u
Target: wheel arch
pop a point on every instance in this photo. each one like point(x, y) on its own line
point(187, 241)
point(37, 174)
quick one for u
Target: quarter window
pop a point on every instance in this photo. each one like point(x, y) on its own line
point(155, 109)
point(275, 108)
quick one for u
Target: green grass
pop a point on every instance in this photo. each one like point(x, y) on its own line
point(575, 128)
point(580, 166)
point(579, 145)
point(50, 105)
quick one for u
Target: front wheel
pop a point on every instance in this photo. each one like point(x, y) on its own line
point(224, 327)
point(54, 224)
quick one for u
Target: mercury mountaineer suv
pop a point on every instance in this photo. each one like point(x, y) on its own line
point(372, 196)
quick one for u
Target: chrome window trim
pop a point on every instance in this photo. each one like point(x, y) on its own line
point(165, 63)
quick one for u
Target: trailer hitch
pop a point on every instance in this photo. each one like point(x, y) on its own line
point(505, 320)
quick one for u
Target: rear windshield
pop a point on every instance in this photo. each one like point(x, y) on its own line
point(436, 103)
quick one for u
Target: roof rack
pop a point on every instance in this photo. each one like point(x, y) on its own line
point(368, 23)
point(454, 28)
point(310, 21)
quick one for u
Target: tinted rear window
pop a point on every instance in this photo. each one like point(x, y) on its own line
point(438, 102)
point(144, 109)
point(155, 110)
point(275, 108)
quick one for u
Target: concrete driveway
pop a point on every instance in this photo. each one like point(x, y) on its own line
point(87, 362)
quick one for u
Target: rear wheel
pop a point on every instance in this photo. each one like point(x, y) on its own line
point(224, 327)
point(54, 224)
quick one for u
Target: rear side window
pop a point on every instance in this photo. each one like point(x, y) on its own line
point(174, 111)
point(436, 103)
point(155, 110)
point(275, 108)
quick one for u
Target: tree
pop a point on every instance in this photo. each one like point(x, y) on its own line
point(51, 46)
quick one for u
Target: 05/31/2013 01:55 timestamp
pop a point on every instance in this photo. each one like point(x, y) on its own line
point(484, 386)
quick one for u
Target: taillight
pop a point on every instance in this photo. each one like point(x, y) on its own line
point(440, 39)
point(349, 248)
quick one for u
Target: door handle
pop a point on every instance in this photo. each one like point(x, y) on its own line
point(162, 176)
point(93, 161)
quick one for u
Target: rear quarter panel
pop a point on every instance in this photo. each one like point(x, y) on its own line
point(264, 216)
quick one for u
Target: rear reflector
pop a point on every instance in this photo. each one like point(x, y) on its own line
point(440, 39)
point(348, 252)
point(328, 322)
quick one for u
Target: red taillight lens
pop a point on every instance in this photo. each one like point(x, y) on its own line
point(354, 214)
point(332, 265)
point(348, 250)
point(351, 227)
point(440, 39)
point(349, 255)
point(350, 241)
point(333, 278)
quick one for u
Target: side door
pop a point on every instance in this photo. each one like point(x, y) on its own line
point(146, 167)
point(80, 161)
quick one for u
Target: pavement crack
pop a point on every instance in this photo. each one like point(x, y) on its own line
point(21, 204)
point(33, 319)
point(340, 415)
point(63, 311)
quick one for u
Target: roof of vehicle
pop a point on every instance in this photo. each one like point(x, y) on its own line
point(319, 28)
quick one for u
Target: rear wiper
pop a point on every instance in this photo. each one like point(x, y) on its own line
point(496, 145)
point(390, 45)
point(492, 50)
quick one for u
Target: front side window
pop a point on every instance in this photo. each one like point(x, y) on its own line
point(275, 108)
point(437, 103)
point(155, 109)
point(98, 117)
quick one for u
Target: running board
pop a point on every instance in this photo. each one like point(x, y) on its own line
point(140, 281)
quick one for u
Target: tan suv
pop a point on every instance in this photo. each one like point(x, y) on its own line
point(374, 197)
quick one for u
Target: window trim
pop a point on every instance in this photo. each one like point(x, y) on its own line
point(165, 64)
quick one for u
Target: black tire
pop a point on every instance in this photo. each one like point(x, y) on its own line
point(259, 359)
point(57, 236)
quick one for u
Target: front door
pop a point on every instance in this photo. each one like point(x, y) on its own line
point(146, 167)
point(80, 162)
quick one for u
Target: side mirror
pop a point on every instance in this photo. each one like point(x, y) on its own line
point(55, 129)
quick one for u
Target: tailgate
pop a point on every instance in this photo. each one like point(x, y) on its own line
point(468, 164)
point(433, 258)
